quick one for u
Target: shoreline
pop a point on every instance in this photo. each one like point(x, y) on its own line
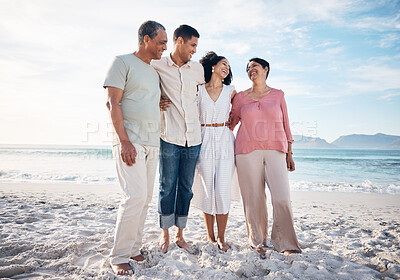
point(106, 187)
point(66, 231)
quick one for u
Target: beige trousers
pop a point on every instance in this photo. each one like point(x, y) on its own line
point(137, 183)
point(254, 170)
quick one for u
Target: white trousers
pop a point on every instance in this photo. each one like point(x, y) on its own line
point(254, 170)
point(137, 183)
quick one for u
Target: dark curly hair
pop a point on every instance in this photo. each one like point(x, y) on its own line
point(261, 61)
point(208, 61)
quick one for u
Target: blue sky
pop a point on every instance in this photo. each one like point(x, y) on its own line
point(338, 62)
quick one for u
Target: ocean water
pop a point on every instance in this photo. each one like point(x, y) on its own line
point(346, 170)
point(67, 164)
point(375, 171)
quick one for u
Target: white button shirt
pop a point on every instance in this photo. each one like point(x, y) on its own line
point(180, 124)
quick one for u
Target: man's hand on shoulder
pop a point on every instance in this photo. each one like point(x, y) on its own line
point(128, 153)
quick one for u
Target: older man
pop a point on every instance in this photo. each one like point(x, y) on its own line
point(133, 103)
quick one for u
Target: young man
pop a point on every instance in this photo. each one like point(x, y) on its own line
point(180, 133)
point(133, 103)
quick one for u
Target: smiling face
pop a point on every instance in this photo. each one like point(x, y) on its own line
point(158, 45)
point(187, 49)
point(256, 71)
point(222, 68)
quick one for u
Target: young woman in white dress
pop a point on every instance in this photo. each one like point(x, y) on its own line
point(216, 164)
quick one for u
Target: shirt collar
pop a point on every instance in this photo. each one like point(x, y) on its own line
point(172, 63)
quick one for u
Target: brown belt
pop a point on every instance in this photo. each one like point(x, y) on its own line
point(215, 124)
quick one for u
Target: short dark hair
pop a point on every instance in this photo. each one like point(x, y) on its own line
point(208, 61)
point(186, 32)
point(150, 28)
point(261, 61)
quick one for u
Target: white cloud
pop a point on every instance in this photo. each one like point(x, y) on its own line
point(327, 44)
point(291, 86)
point(373, 78)
point(377, 23)
point(333, 51)
point(237, 48)
point(390, 95)
point(389, 40)
point(241, 83)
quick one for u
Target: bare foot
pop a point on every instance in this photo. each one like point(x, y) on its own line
point(138, 258)
point(260, 251)
point(289, 252)
point(164, 243)
point(211, 240)
point(122, 269)
point(183, 244)
point(222, 245)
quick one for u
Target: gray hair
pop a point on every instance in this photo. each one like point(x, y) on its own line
point(149, 28)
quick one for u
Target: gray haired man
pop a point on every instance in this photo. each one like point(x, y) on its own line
point(133, 103)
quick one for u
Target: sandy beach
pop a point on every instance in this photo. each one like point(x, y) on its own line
point(66, 231)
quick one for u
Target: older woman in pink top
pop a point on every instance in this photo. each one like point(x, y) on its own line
point(263, 154)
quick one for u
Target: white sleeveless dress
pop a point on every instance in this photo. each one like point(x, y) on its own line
point(216, 163)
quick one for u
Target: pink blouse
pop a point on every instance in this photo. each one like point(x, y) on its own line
point(264, 122)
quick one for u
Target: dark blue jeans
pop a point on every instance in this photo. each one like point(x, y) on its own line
point(177, 166)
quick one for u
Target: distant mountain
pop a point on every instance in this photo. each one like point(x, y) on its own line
point(306, 142)
point(395, 145)
point(362, 141)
